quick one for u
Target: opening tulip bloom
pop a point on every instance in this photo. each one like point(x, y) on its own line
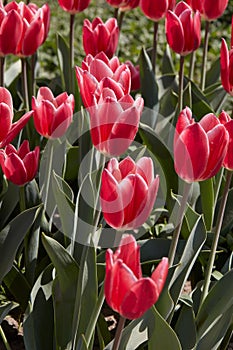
point(128, 192)
point(126, 291)
point(99, 36)
point(183, 29)
point(99, 72)
point(74, 6)
point(52, 115)
point(207, 9)
point(226, 120)
point(20, 166)
point(199, 147)
point(156, 9)
point(8, 129)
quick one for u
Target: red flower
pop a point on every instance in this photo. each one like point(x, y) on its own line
point(9, 131)
point(52, 115)
point(183, 29)
point(199, 147)
point(99, 36)
point(135, 75)
point(128, 192)
point(126, 291)
point(114, 122)
point(156, 9)
point(74, 6)
point(99, 72)
point(131, 4)
point(20, 166)
point(228, 123)
point(118, 3)
point(226, 62)
point(207, 9)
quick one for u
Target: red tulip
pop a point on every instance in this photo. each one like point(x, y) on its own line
point(128, 192)
point(114, 122)
point(99, 72)
point(131, 4)
point(156, 9)
point(226, 62)
point(135, 75)
point(199, 147)
point(118, 3)
point(99, 36)
point(208, 9)
point(30, 31)
point(9, 131)
point(183, 29)
point(52, 115)
point(20, 166)
point(228, 123)
point(126, 291)
point(74, 6)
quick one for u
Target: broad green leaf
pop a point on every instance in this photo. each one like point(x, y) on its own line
point(11, 237)
point(5, 308)
point(213, 74)
point(207, 202)
point(63, 59)
point(71, 172)
point(228, 217)
point(156, 249)
point(167, 63)
point(9, 202)
point(81, 345)
point(216, 97)
point(185, 327)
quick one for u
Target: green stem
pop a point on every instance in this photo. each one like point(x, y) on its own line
point(120, 19)
point(214, 245)
point(116, 13)
point(176, 234)
point(7, 345)
point(204, 57)
point(154, 51)
point(72, 17)
point(22, 200)
point(49, 164)
point(181, 84)
point(25, 83)
point(192, 65)
point(2, 61)
point(118, 335)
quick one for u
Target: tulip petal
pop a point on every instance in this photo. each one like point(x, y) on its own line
point(228, 160)
point(209, 121)
point(33, 37)
point(224, 62)
point(159, 275)
point(213, 12)
point(15, 170)
point(5, 120)
point(174, 32)
point(11, 27)
point(31, 163)
point(145, 168)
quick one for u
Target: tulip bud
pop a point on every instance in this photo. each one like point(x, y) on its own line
point(209, 10)
point(72, 6)
point(156, 9)
point(126, 291)
point(228, 123)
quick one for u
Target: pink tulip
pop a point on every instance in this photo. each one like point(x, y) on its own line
point(135, 75)
point(99, 36)
point(226, 120)
point(183, 29)
point(208, 9)
point(20, 166)
point(114, 122)
point(74, 6)
point(9, 130)
point(128, 192)
point(199, 147)
point(99, 72)
point(156, 9)
point(126, 290)
point(52, 115)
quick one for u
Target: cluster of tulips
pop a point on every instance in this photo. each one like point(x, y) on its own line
point(128, 188)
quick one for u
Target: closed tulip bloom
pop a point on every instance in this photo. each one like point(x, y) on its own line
point(199, 147)
point(208, 9)
point(126, 290)
point(118, 3)
point(99, 72)
point(20, 166)
point(128, 192)
point(131, 4)
point(183, 29)
point(52, 115)
point(114, 122)
point(226, 63)
point(156, 9)
point(226, 120)
point(74, 6)
point(9, 130)
point(99, 36)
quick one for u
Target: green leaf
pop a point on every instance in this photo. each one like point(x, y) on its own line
point(71, 172)
point(63, 59)
point(213, 74)
point(207, 202)
point(185, 327)
point(9, 203)
point(11, 237)
point(228, 214)
point(216, 97)
point(167, 63)
point(81, 345)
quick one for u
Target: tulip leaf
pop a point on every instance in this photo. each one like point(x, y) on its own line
point(71, 173)
point(8, 204)
point(185, 327)
point(64, 290)
point(228, 218)
point(216, 97)
point(200, 104)
point(213, 74)
point(167, 63)
point(11, 237)
point(82, 344)
point(5, 308)
point(207, 202)
point(63, 59)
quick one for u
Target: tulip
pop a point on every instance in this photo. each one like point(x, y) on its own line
point(128, 192)
point(27, 26)
point(8, 129)
point(20, 166)
point(99, 36)
point(199, 147)
point(52, 115)
point(226, 63)
point(99, 72)
point(114, 122)
point(126, 291)
point(74, 6)
point(207, 9)
point(131, 4)
point(183, 29)
point(135, 75)
point(118, 3)
point(226, 120)
point(156, 9)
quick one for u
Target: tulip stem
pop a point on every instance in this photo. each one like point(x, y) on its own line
point(216, 237)
point(25, 85)
point(120, 19)
point(204, 57)
point(181, 84)
point(118, 335)
point(72, 17)
point(7, 345)
point(2, 62)
point(116, 13)
point(154, 51)
point(181, 212)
